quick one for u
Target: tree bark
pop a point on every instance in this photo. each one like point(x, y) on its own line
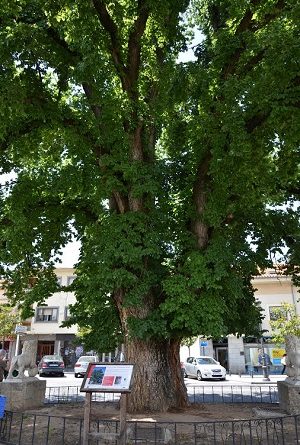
point(158, 384)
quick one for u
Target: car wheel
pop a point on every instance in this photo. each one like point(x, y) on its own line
point(199, 376)
point(185, 375)
point(223, 378)
point(41, 374)
point(76, 375)
point(62, 374)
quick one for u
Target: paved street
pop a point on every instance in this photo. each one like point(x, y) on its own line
point(68, 380)
point(236, 389)
point(236, 380)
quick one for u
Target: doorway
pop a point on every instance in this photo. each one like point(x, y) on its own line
point(222, 356)
point(45, 348)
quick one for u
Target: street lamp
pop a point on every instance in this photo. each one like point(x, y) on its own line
point(264, 364)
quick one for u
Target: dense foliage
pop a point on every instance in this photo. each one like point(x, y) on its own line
point(285, 322)
point(8, 321)
point(181, 180)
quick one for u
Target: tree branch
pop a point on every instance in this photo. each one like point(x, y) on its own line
point(261, 116)
point(74, 207)
point(54, 35)
point(200, 190)
point(248, 24)
point(134, 42)
point(128, 73)
point(110, 26)
point(257, 120)
point(89, 94)
point(252, 62)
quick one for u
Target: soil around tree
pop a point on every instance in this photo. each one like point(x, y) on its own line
point(195, 413)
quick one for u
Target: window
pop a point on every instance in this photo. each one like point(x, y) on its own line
point(276, 312)
point(70, 280)
point(46, 314)
point(67, 312)
point(206, 361)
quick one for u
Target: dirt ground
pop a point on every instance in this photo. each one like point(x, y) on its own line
point(194, 413)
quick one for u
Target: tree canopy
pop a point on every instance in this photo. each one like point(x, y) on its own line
point(181, 180)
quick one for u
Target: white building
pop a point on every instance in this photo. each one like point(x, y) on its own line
point(45, 325)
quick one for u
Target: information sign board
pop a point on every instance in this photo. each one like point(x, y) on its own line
point(20, 329)
point(107, 377)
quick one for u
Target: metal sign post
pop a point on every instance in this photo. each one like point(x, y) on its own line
point(19, 329)
point(264, 362)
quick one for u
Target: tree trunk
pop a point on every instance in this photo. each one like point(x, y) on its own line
point(158, 384)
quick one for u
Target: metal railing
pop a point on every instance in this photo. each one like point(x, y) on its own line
point(37, 429)
point(233, 394)
point(72, 394)
point(196, 394)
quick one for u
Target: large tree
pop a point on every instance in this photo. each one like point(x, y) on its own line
point(179, 179)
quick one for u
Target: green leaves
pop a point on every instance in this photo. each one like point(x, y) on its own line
point(9, 317)
point(285, 322)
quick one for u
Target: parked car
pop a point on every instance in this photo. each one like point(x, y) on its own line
point(51, 365)
point(204, 368)
point(82, 364)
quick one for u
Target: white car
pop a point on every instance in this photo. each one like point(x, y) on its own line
point(204, 368)
point(82, 364)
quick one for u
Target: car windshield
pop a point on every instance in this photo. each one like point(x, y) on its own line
point(52, 357)
point(206, 361)
point(88, 359)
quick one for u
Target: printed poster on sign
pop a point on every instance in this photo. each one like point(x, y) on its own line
point(107, 377)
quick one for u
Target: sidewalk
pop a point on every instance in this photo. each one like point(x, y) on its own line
point(257, 379)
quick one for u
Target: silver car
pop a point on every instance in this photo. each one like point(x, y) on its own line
point(82, 364)
point(204, 368)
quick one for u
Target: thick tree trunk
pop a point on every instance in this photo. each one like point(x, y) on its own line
point(158, 382)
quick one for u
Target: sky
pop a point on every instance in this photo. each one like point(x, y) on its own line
point(70, 254)
point(188, 55)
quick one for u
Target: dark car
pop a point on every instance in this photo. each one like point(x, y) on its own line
point(51, 365)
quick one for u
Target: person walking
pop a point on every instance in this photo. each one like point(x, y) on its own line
point(283, 362)
point(3, 364)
